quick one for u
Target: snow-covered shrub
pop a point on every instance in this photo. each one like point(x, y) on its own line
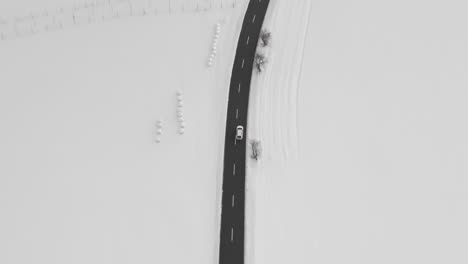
point(259, 62)
point(256, 149)
point(265, 38)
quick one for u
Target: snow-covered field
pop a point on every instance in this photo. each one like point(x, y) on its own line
point(83, 178)
point(111, 134)
point(362, 113)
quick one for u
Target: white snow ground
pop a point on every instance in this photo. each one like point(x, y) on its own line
point(361, 112)
point(364, 134)
point(82, 178)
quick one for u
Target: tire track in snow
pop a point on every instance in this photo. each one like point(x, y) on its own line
point(304, 41)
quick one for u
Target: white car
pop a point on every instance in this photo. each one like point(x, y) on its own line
point(239, 132)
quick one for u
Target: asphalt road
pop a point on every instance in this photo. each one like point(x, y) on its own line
point(231, 247)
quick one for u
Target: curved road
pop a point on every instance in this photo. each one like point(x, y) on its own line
point(231, 246)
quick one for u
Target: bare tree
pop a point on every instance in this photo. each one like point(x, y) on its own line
point(256, 149)
point(259, 62)
point(265, 38)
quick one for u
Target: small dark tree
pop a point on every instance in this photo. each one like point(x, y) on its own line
point(259, 62)
point(256, 149)
point(265, 38)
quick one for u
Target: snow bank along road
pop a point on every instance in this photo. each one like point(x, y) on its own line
point(233, 198)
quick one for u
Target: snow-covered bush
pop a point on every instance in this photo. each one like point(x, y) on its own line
point(265, 38)
point(259, 62)
point(256, 149)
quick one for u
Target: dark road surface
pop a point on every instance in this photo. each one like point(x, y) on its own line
point(231, 247)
